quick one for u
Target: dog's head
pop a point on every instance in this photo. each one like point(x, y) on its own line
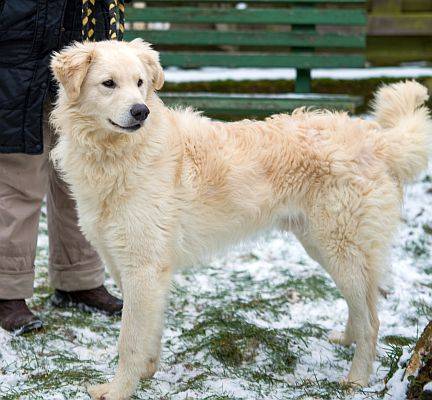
point(110, 82)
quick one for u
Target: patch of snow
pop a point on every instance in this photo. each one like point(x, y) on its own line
point(173, 74)
point(398, 384)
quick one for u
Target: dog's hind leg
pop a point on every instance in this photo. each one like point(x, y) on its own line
point(362, 328)
point(345, 338)
point(354, 255)
point(352, 237)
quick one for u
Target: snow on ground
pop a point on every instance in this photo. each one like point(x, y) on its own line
point(251, 325)
point(238, 74)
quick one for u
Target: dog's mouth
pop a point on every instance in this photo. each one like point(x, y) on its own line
point(130, 128)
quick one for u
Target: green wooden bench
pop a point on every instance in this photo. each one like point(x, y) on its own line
point(300, 34)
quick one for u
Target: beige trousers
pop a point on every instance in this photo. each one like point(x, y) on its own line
point(24, 182)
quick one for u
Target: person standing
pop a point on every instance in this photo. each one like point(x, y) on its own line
point(30, 30)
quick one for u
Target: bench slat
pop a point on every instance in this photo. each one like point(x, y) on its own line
point(261, 60)
point(249, 38)
point(258, 105)
point(189, 15)
point(267, 1)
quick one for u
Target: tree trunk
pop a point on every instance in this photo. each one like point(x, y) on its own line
point(419, 368)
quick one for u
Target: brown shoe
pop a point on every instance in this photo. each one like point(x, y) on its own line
point(91, 300)
point(16, 317)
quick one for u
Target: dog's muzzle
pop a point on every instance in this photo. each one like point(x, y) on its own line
point(139, 113)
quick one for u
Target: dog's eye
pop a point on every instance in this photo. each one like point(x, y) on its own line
point(140, 82)
point(109, 83)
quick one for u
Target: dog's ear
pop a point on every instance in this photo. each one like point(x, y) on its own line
point(70, 67)
point(150, 58)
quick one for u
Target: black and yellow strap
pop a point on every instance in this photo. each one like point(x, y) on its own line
point(116, 10)
point(88, 19)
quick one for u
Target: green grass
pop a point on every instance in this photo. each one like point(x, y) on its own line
point(391, 359)
point(419, 248)
point(234, 342)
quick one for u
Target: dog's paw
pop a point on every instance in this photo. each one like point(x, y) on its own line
point(338, 337)
point(356, 382)
point(97, 392)
point(150, 368)
point(106, 391)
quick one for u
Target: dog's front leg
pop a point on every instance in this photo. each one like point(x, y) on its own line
point(145, 291)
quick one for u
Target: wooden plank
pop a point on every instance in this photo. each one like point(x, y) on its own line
point(258, 104)
point(404, 24)
point(249, 38)
point(261, 60)
point(417, 5)
point(265, 1)
point(283, 16)
point(383, 50)
point(386, 5)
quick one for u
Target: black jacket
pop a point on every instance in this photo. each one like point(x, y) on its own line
point(29, 31)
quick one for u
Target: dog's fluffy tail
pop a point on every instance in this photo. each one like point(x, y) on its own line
point(407, 127)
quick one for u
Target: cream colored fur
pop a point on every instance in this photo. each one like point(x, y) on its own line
point(184, 187)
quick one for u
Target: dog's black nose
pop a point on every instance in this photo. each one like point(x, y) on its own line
point(140, 112)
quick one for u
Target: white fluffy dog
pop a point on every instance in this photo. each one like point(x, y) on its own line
point(160, 188)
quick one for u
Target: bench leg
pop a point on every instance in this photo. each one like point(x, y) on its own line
point(303, 81)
